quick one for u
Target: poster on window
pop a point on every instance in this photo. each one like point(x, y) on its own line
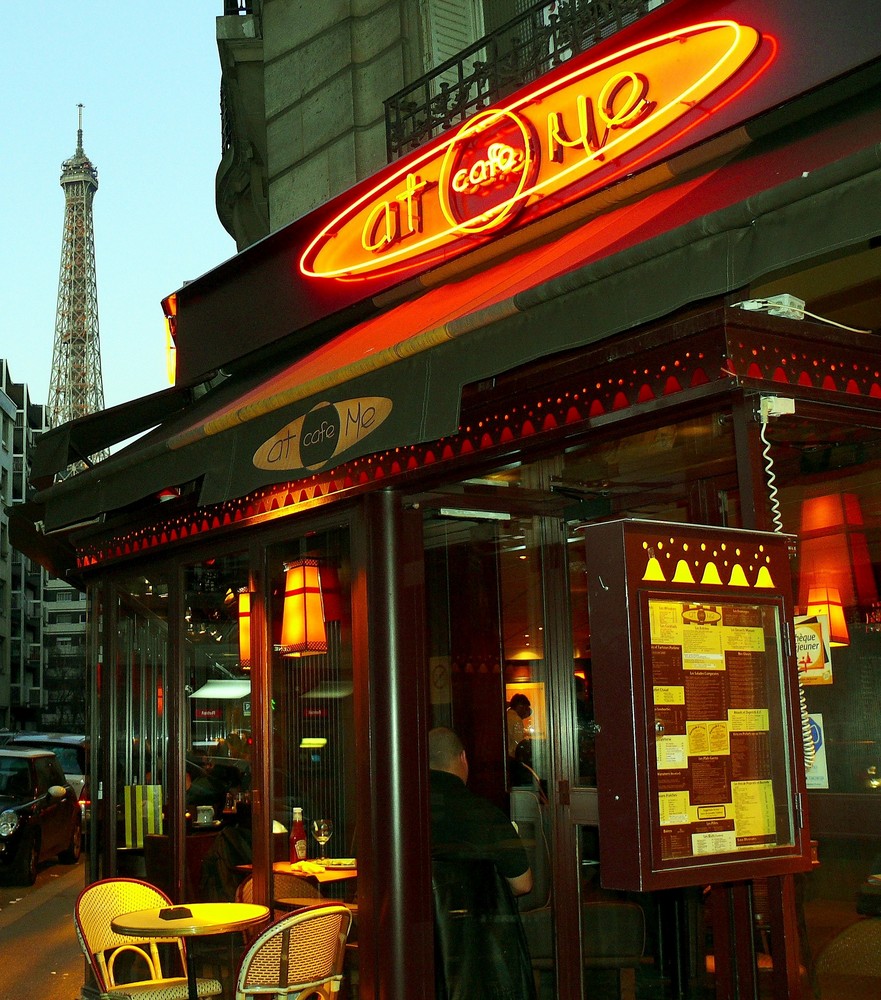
point(817, 774)
point(813, 652)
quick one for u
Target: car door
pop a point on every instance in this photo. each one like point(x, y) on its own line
point(54, 815)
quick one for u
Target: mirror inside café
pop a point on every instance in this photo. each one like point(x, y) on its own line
point(218, 773)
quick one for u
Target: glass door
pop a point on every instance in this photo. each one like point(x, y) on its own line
point(490, 661)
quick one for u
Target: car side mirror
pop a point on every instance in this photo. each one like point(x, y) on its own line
point(57, 791)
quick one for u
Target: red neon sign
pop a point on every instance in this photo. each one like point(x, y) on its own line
point(556, 143)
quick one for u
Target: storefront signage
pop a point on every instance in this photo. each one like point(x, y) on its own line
point(513, 164)
point(322, 434)
point(207, 714)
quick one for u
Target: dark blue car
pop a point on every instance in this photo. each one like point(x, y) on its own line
point(40, 816)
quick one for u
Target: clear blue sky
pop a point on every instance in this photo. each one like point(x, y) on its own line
point(148, 76)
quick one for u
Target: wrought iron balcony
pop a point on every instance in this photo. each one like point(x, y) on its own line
point(542, 37)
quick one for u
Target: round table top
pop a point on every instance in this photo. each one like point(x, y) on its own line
point(205, 918)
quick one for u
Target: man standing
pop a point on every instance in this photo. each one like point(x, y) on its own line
point(478, 866)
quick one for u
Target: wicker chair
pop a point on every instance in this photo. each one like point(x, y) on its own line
point(298, 956)
point(283, 885)
point(96, 905)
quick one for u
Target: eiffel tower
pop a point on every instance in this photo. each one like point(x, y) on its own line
point(76, 387)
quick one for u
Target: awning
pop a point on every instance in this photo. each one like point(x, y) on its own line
point(780, 201)
point(71, 442)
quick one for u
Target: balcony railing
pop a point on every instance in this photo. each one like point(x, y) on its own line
point(542, 37)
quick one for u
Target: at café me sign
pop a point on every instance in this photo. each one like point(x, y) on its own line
point(512, 164)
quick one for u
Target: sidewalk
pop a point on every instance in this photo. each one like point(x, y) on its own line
point(41, 956)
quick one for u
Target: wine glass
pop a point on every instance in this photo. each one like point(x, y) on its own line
point(321, 831)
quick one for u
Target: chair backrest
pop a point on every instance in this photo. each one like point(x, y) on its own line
point(96, 905)
point(856, 950)
point(480, 943)
point(303, 950)
point(529, 815)
point(284, 884)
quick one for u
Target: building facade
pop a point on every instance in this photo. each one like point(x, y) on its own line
point(25, 694)
point(417, 434)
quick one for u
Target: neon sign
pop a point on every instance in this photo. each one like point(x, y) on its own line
point(553, 145)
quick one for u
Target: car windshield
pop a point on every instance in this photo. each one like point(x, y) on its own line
point(14, 777)
point(68, 757)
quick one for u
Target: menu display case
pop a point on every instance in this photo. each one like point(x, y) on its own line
point(699, 766)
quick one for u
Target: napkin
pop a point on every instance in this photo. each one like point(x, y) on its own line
point(307, 868)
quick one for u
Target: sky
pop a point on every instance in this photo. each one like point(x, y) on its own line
point(148, 76)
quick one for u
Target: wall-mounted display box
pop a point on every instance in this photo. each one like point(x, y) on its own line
point(700, 751)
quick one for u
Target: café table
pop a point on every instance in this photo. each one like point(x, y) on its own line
point(308, 870)
point(190, 920)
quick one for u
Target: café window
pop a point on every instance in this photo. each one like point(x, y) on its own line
point(312, 692)
point(141, 683)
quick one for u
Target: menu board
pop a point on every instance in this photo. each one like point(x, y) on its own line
point(715, 690)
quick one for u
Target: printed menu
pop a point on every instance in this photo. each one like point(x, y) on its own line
point(712, 712)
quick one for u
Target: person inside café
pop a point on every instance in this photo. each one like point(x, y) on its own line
point(478, 865)
point(518, 711)
point(210, 784)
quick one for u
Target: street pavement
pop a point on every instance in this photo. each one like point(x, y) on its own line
point(40, 958)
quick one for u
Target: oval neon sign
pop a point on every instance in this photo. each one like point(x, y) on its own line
point(577, 133)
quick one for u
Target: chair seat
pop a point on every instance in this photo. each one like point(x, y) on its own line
point(163, 989)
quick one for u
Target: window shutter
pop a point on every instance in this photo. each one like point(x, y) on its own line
point(454, 25)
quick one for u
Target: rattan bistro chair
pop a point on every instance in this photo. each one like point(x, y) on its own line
point(298, 956)
point(95, 907)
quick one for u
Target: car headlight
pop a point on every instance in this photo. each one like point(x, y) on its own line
point(8, 822)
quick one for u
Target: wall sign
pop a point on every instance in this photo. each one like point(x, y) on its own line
point(322, 434)
point(513, 164)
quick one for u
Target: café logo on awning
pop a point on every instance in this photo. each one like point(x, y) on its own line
point(550, 147)
point(322, 434)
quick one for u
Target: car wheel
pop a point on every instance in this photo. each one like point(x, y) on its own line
point(24, 871)
point(75, 847)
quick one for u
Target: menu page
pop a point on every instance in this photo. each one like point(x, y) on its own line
point(710, 673)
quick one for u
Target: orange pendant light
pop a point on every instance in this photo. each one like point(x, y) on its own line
point(303, 632)
point(245, 629)
point(827, 601)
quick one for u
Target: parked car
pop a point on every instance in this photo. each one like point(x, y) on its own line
point(39, 813)
point(72, 751)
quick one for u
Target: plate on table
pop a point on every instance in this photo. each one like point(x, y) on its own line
point(207, 826)
point(340, 864)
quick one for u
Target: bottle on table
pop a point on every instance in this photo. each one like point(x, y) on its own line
point(297, 837)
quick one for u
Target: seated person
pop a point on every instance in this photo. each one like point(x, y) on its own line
point(210, 785)
point(478, 865)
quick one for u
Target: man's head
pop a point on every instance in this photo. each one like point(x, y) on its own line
point(446, 753)
point(520, 704)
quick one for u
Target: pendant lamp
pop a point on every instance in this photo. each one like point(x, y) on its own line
point(303, 632)
point(827, 601)
point(245, 628)
point(834, 552)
